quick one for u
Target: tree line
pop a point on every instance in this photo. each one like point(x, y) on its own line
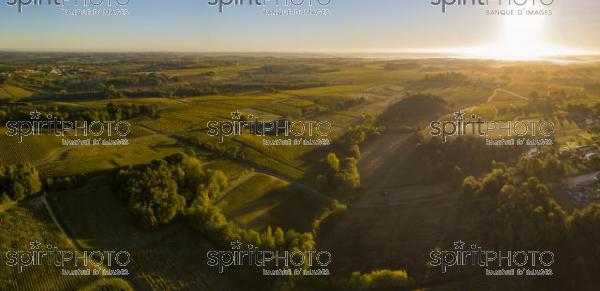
point(112, 111)
point(512, 208)
point(340, 176)
point(178, 186)
point(458, 157)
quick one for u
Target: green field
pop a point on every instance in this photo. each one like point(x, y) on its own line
point(86, 159)
point(169, 258)
point(33, 149)
point(25, 223)
point(233, 170)
point(263, 201)
point(13, 92)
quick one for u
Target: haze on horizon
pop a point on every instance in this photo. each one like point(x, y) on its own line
point(353, 26)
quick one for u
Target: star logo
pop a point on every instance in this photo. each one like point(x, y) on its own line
point(459, 115)
point(35, 114)
point(459, 245)
point(236, 245)
point(250, 247)
point(35, 245)
point(251, 116)
point(236, 115)
point(49, 116)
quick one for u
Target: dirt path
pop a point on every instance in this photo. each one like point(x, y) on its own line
point(583, 179)
point(431, 195)
point(495, 94)
point(67, 237)
point(56, 222)
point(491, 98)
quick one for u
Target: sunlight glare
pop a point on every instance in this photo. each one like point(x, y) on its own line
point(521, 38)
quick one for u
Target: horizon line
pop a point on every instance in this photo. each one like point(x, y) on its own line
point(414, 54)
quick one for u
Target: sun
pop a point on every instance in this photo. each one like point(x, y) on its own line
point(520, 38)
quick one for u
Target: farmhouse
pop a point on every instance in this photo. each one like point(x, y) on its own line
point(584, 150)
point(55, 71)
point(534, 152)
point(591, 156)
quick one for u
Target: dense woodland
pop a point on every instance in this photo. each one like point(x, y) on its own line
point(512, 208)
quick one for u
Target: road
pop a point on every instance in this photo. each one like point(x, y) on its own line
point(582, 180)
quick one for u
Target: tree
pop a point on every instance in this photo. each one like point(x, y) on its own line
point(585, 235)
point(299, 241)
point(518, 209)
point(267, 239)
point(355, 151)
point(19, 181)
point(380, 280)
point(530, 216)
point(3, 116)
point(279, 236)
point(152, 192)
point(114, 111)
point(347, 180)
point(29, 178)
point(112, 93)
point(216, 183)
point(4, 198)
point(342, 178)
point(18, 192)
point(332, 163)
point(457, 177)
point(194, 176)
point(553, 168)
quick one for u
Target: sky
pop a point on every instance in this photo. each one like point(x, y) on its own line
point(351, 26)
